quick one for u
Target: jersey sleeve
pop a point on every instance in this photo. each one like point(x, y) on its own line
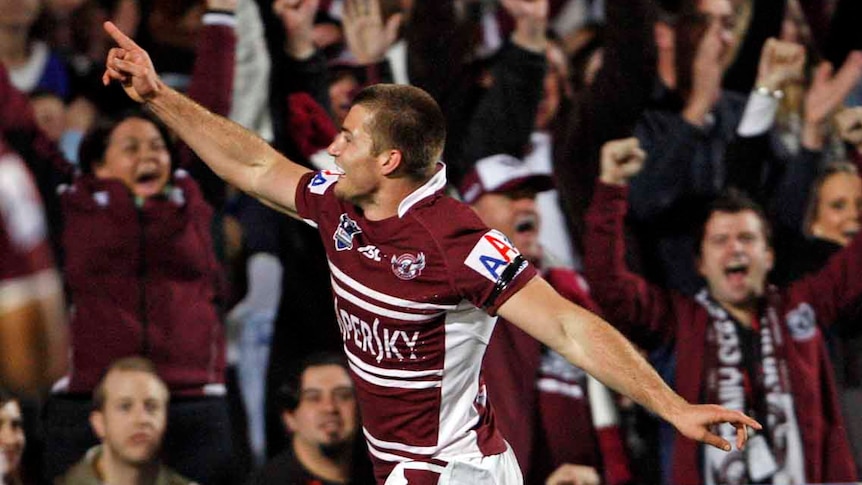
point(487, 269)
point(313, 191)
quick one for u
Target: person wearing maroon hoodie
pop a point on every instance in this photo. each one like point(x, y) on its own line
point(540, 401)
point(738, 342)
point(142, 272)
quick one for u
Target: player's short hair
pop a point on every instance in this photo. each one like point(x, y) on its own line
point(126, 364)
point(408, 119)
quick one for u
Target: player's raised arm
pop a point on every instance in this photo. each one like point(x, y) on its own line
point(592, 344)
point(235, 154)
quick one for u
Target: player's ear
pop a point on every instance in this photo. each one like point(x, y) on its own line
point(389, 161)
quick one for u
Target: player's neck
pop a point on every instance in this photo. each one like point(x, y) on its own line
point(332, 469)
point(387, 200)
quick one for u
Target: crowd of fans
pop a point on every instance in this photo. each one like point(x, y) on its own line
point(689, 169)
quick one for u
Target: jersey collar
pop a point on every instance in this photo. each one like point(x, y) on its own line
point(431, 187)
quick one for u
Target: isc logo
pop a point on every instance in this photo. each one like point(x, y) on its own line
point(491, 255)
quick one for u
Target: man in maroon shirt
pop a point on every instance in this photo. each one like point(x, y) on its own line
point(417, 280)
point(739, 342)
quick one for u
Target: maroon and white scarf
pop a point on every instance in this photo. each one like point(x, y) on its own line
point(755, 381)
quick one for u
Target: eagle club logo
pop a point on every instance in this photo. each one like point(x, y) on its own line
point(343, 237)
point(407, 266)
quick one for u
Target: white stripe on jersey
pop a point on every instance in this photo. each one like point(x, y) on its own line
point(384, 298)
point(310, 223)
point(392, 446)
point(406, 374)
point(386, 456)
point(421, 465)
point(384, 312)
point(401, 384)
point(467, 335)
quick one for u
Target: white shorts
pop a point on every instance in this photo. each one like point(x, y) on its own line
point(499, 469)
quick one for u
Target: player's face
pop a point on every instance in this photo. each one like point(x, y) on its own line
point(138, 156)
point(352, 149)
point(134, 417)
point(735, 257)
point(839, 208)
point(326, 414)
point(515, 215)
point(12, 439)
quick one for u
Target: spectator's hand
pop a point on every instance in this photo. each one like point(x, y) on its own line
point(694, 422)
point(568, 474)
point(780, 63)
point(828, 91)
point(531, 22)
point(707, 72)
point(825, 95)
point(621, 160)
point(222, 5)
point(368, 37)
point(131, 66)
point(849, 123)
point(297, 17)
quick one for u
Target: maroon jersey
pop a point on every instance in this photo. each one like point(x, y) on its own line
point(26, 266)
point(415, 296)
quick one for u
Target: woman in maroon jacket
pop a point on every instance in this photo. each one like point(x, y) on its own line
point(144, 279)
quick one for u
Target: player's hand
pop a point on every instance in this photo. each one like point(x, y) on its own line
point(780, 63)
point(696, 421)
point(131, 66)
point(621, 160)
point(568, 474)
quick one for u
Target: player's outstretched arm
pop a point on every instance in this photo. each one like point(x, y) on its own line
point(235, 154)
point(592, 344)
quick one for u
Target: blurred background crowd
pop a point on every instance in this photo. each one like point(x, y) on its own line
point(118, 242)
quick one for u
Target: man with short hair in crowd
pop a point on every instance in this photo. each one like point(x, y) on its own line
point(739, 342)
point(319, 411)
point(558, 430)
point(129, 417)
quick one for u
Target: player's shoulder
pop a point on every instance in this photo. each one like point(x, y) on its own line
point(443, 216)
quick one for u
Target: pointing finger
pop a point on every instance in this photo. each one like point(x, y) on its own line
point(119, 37)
